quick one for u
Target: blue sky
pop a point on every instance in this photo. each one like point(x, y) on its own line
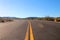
point(29, 8)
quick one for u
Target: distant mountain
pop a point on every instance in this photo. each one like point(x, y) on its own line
point(33, 17)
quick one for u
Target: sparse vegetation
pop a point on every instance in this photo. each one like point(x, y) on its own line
point(2, 19)
point(45, 18)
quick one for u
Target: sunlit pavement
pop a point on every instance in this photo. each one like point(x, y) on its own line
point(13, 30)
point(30, 30)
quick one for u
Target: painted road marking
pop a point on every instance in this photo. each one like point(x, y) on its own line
point(26, 37)
point(29, 33)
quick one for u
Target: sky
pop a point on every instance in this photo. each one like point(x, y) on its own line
point(29, 8)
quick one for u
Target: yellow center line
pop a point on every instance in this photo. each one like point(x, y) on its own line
point(31, 32)
point(29, 36)
point(26, 36)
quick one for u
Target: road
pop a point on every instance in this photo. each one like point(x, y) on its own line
point(13, 30)
point(30, 30)
point(46, 30)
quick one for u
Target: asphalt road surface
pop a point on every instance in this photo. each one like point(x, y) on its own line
point(46, 30)
point(13, 30)
point(30, 30)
